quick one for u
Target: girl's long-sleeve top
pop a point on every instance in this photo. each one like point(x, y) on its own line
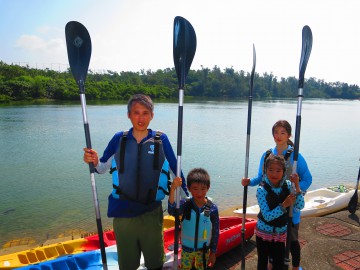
point(264, 230)
point(301, 169)
point(214, 217)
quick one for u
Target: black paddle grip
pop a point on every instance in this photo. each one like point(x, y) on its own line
point(101, 240)
point(88, 144)
point(180, 127)
point(297, 137)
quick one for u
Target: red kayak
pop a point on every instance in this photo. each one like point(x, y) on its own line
point(230, 236)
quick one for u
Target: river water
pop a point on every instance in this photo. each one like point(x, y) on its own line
point(45, 188)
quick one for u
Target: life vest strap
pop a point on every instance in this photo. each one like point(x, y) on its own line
point(156, 150)
point(189, 205)
point(120, 192)
point(166, 192)
point(269, 152)
point(288, 153)
point(122, 151)
point(188, 249)
point(112, 169)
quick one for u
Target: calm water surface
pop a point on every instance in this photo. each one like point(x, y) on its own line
point(45, 188)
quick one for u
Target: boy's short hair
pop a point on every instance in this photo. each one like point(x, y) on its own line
point(198, 175)
point(141, 99)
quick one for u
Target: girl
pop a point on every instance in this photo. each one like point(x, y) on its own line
point(274, 196)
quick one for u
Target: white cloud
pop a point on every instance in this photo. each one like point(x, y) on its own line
point(31, 43)
point(44, 29)
point(41, 51)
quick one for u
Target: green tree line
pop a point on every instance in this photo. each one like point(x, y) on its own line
point(19, 83)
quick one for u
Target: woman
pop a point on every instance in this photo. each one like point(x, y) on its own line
point(281, 132)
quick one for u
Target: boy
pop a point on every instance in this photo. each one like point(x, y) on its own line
point(200, 221)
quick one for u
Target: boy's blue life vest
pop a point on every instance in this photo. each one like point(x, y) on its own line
point(273, 200)
point(288, 163)
point(143, 171)
point(196, 228)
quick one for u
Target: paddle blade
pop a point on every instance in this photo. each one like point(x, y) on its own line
point(353, 203)
point(354, 199)
point(307, 40)
point(78, 45)
point(184, 47)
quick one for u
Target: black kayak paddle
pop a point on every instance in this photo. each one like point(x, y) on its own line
point(354, 199)
point(184, 47)
point(243, 228)
point(307, 40)
point(78, 44)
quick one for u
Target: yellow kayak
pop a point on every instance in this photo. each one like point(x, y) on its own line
point(40, 254)
point(53, 251)
point(169, 222)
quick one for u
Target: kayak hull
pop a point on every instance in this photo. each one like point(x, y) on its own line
point(319, 202)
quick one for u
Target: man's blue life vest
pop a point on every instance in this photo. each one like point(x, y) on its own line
point(196, 228)
point(143, 171)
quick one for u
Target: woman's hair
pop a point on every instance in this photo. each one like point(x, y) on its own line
point(284, 124)
point(198, 175)
point(141, 99)
point(275, 159)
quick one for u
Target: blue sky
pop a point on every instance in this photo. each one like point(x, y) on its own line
point(130, 35)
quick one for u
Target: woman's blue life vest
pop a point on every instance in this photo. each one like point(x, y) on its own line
point(140, 172)
point(196, 228)
point(273, 200)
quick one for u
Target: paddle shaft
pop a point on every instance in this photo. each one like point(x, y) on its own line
point(248, 131)
point(92, 175)
point(178, 174)
point(243, 227)
point(294, 168)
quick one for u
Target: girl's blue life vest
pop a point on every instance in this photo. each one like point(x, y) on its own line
point(196, 228)
point(143, 175)
point(273, 200)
